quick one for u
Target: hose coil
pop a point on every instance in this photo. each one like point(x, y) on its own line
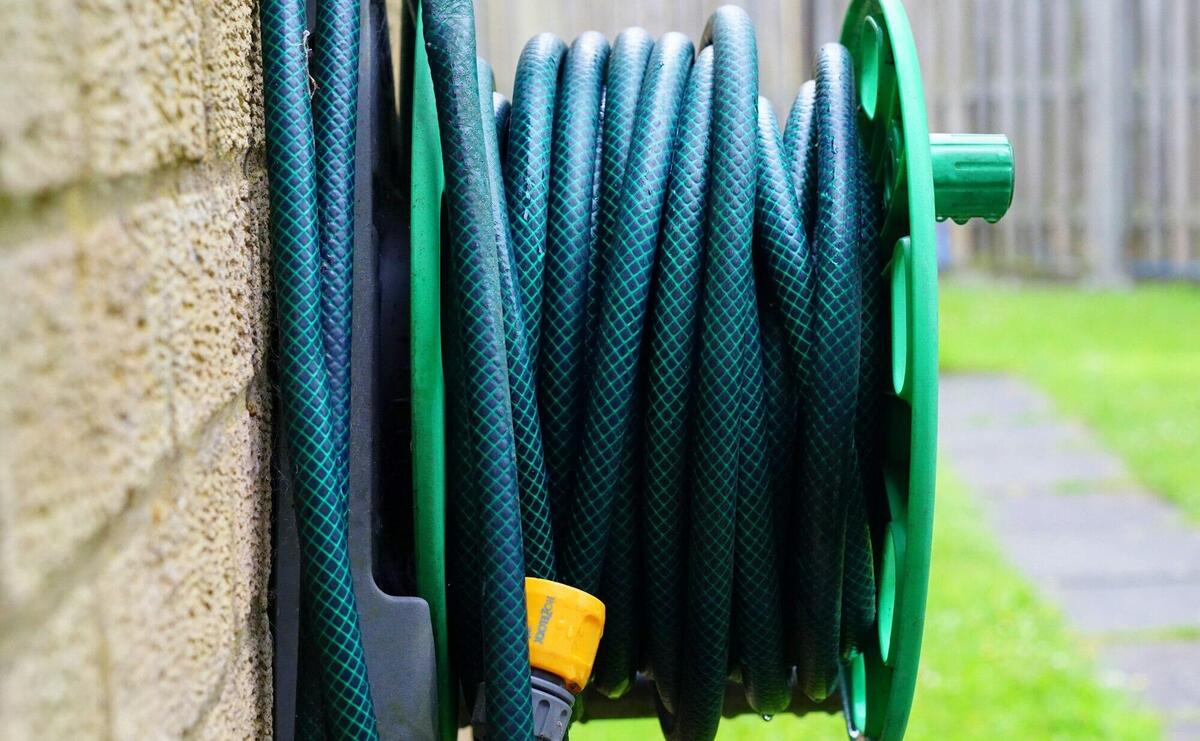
point(666, 363)
point(310, 165)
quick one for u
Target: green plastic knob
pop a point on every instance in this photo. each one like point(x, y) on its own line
point(972, 176)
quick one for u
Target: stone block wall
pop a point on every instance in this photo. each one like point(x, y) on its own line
point(134, 410)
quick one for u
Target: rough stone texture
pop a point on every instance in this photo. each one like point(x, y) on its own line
point(97, 89)
point(243, 709)
point(41, 120)
point(122, 344)
point(215, 297)
point(233, 91)
point(134, 413)
point(54, 686)
point(172, 601)
point(142, 77)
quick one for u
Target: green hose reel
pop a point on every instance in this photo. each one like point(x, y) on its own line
point(924, 178)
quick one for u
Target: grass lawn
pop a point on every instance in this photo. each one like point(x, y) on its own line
point(997, 663)
point(1126, 362)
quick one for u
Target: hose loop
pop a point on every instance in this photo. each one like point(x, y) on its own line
point(665, 363)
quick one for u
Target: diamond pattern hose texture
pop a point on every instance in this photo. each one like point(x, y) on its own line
point(665, 361)
point(310, 152)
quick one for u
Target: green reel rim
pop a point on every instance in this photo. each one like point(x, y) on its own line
point(896, 134)
point(428, 385)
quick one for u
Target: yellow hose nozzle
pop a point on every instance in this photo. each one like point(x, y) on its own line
point(565, 625)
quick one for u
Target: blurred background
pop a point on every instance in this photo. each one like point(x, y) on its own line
point(1065, 593)
point(1098, 98)
point(136, 391)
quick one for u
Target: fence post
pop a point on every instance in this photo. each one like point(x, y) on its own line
point(1109, 65)
point(1178, 75)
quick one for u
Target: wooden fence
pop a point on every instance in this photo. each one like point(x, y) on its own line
point(1097, 96)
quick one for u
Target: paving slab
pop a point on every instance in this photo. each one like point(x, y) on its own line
point(1122, 564)
point(1154, 607)
point(1167, 673)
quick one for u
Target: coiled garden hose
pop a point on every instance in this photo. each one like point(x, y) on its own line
point(310, 162)
point(666, 364)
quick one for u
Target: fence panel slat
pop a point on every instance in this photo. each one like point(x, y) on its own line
point(1153, 46)
point(1031, 29)
point(1180, 131)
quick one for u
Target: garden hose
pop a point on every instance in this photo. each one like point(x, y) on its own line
point(665, 365)
point(310, 163)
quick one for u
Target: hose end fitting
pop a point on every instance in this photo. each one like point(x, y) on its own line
point(565, 625)
point(552, 708)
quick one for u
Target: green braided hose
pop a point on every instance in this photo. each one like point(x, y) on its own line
point(604, 477)
point(527, 176)
point(527, 427)
point(335, 104)
point(335, 117)
point(575, 114)
point(477, 340)
point(669, 390)
point(311, 197)
point(665, 360)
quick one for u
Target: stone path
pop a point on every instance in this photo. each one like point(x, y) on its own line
point(1123, 565)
